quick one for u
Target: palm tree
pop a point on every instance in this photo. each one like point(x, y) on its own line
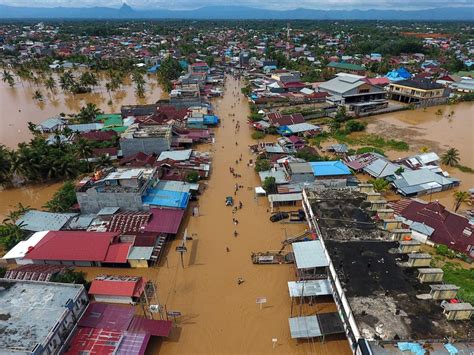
point(50, 84)
point(37, 95)
point(459, 198)
point(83, 149)
point(5, 165)
point(103, 161)
point(88, 113)
point(380, 185)
point(450, 157)
point(7, 77)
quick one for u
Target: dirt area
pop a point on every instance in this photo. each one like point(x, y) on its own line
point(220, 316)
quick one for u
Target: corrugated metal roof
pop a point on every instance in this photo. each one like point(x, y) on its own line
point(309, 254)
point(107, 316)
point(117, 288)
point(165, 198)
point(164, 220)
point(329, 168)
point(118, 253)
point(285, 197)
point(158, 328)
point(140, 253)
point(177, 155)
point(20, 250)
point(37, 221)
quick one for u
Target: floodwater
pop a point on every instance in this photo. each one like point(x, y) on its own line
point(218, 315)
point(438, 128)
point(17, 107)
point(34, 196)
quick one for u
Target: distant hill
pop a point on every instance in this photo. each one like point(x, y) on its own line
point(234, 13)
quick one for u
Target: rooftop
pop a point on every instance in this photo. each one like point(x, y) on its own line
point(422, 84)
point(29, 310)
point(383, 295)
point(153, 131)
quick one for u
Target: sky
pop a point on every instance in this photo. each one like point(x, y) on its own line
point(269, 4)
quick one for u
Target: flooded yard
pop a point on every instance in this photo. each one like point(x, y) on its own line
point(17, 106)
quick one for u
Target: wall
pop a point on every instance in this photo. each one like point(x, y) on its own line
point(91, 201)
point(113, 299)
point(138, 263)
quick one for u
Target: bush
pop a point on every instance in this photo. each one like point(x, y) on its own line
point(262, 165)
point(269, 184)
point(258, 135)
point(71, 277)
point(255, 117)
point(354, 126)
point(192, 177)
point(445, 251)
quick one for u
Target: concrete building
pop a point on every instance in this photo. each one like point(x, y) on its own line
point(38, 317)
point(146, 139)
point(416, 90)
point(122, 188)
point(348, 88)
point(186, 96)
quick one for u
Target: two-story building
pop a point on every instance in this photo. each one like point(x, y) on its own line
point(416, 90)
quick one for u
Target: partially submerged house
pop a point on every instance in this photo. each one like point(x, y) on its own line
point(422, 182)
point(416, 90)
point(117, 289)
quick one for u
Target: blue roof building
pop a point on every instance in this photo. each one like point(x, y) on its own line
point(329, 168)
point(166, 198)
point(399, 74)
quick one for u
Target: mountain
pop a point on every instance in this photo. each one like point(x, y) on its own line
point(234, 13)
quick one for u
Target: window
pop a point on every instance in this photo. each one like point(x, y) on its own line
point(364, 91)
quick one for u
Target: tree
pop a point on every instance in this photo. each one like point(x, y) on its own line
point(269, 185)
point(50, 84)
point(258, 135)
point(459, 198)
point(70, 277)
point(103, 161)
point(10, 235)
point(37, 95)
point(63, 199)
point(354, 126)
point(192, 177)
point(6, 164)
point(262, 165)
point(88, 113)
point(450, 157)
point(170, 69)
point(380, 185)
point(7, 77)
point(341, 114)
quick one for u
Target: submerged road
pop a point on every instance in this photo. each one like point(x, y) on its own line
point(219, 316)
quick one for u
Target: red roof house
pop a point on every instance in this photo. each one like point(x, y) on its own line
point(277, 119)
point(164, 220)
point(117, 289)
point(447, 228)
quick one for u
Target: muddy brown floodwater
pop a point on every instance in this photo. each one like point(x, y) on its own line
point(218, 315)
point(17, 107)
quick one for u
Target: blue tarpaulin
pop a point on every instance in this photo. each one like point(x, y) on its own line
point(154, 68)
point(166, 198)
point(414, 348)
point(399, 74)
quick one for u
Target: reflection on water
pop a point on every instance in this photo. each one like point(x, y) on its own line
point(17, 106)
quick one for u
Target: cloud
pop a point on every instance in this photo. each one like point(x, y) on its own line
point(268, 4)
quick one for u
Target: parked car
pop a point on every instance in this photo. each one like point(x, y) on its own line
point(279, 216)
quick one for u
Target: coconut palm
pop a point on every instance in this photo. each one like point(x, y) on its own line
point(50, 84)
point(459, 198)
point(103, 161)
point(37, 95)
point(5, 165)
point(380, 185)
point(88, 113)
point(450, 157)
point(7, 77)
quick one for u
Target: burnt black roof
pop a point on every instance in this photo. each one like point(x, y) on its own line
point(423, 84)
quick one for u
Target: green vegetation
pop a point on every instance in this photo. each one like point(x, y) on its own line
point(363, 150)
point(460, 197)
point(354, 126)
point(310, 155)
point(255, 117)
point(88, 113)
point(269, 185)
point(62, 199)
point(10, 232)
point(170, 69)
point(451, 157)
point(192, 177)
point(246, 90)
point(464, 169)
point(71, 277)
point(3, 271)
point(258, 135)
point(380, 185)
point(373, 140)
point(262, 165)
point(462, 277)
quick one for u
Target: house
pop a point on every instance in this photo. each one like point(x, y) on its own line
point(36, 221)
point(79, 249)
point(122, 187)
point(342, 67)
point(330, 173)
point(138, 160)
point(416, 90)
point(51, 124)
point(38, 316)
point(300, 173)
point(198, 67)
point(422, 181)
point(145, 139)
point(299, 128)
point(440, 225)
point(348, 88)
point(276, 119)
point(463, 86)
point(117, 289)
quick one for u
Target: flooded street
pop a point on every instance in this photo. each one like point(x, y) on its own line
point(220, 316)
point(17, 107)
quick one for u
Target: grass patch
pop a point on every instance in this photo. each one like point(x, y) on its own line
point(258, 135)
point(372, 140)
point(464, 278)
point(465, 169)
point(363, 150)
